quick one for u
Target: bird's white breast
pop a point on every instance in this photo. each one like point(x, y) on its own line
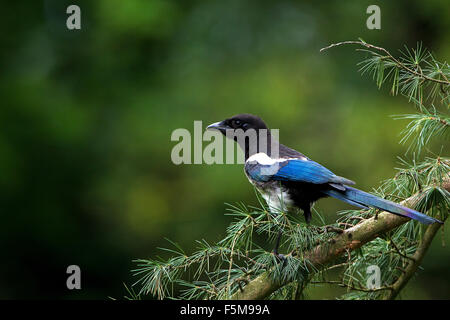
point(277, 199)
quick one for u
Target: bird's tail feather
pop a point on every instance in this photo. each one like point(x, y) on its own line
point(363, 199)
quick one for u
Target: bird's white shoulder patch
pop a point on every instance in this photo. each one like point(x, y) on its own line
point(264, 159)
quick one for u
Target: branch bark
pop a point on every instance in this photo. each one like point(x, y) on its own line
point(414, 263)
point(351, 239)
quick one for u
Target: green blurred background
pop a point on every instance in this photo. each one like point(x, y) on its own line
point(86, 118)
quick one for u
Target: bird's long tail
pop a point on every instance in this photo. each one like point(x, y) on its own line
point(363, 199)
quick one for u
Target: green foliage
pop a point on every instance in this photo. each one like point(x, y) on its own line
point(424, 125)
point(414, 72)
point(393, 251)
point(217, 271)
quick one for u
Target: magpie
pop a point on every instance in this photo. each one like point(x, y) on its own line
point(287, 179)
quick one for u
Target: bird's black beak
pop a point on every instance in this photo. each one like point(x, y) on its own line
point(221, 126)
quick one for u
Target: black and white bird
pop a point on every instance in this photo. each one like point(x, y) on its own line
point(288, 179)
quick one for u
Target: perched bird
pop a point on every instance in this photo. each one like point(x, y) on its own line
point(288, 179)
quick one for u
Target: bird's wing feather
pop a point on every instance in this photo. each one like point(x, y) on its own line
point(303, 170)
point(294, 170)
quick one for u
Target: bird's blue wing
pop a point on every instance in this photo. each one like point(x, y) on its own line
point(304, 171)
point(293, 170)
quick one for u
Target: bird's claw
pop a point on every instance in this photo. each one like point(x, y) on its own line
point(280, 258)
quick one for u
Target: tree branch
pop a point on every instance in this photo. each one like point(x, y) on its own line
point(350, 239)
point(415, 261)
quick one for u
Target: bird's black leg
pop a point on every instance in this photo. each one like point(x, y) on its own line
point(277, 243)
point(277, 246)
point(307, 214)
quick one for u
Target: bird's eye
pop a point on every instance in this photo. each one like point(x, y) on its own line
point(237, 122)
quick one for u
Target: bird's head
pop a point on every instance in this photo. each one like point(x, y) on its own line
point(249, 131)
point(242, 121)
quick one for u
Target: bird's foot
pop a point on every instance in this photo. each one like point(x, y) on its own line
point(281, 258)
point(376, 214)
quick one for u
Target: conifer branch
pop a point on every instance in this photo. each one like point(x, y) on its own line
point(353, 238)
point(399, 64)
